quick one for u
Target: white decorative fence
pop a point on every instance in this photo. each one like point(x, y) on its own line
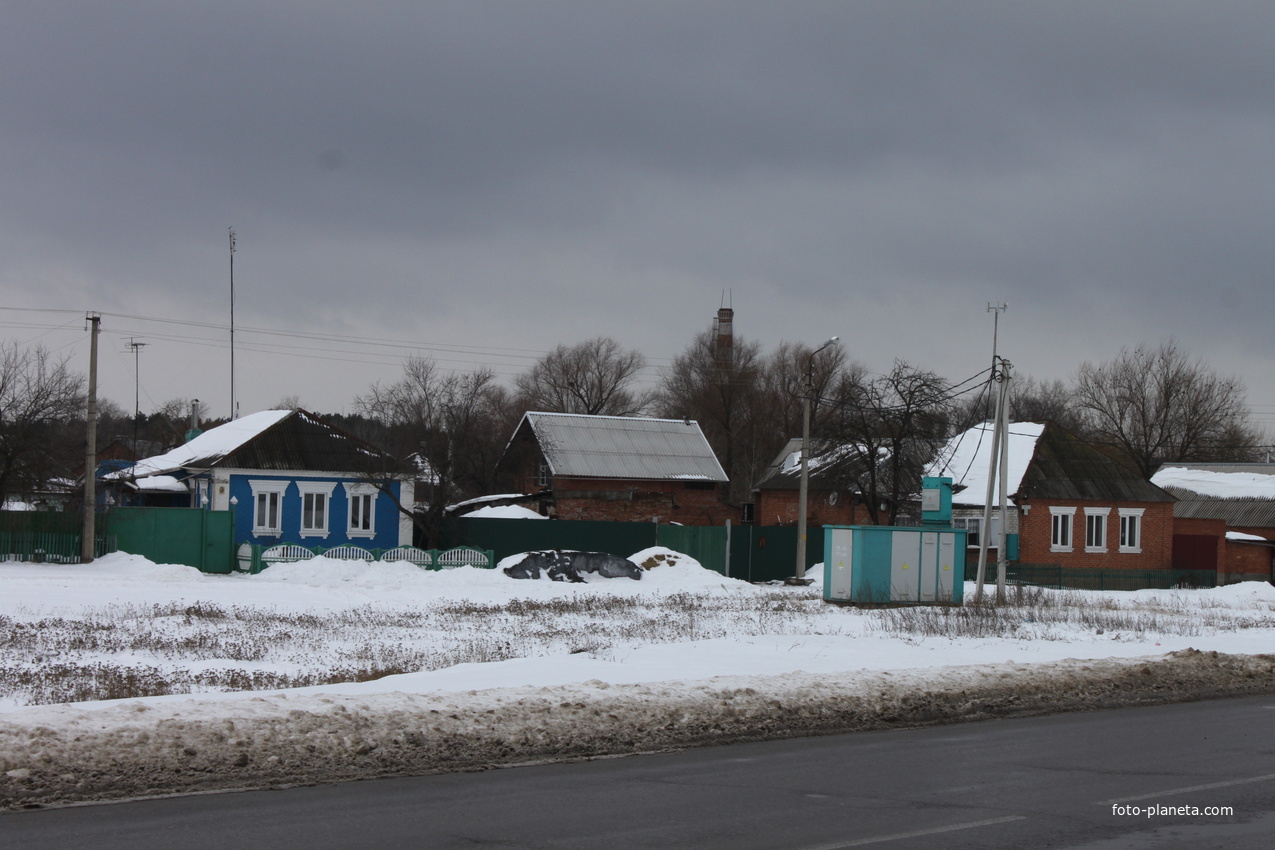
point(254, 559)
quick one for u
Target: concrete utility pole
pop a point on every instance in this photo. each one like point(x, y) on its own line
point(234, 405)
point(808, 395)
point(997, 468)
point(136, 347)
point(88, 531)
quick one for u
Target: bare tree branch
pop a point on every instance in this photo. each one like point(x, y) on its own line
point(594, 378)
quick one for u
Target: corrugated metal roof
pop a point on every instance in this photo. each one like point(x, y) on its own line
point(625, 447)
point(1239, 513)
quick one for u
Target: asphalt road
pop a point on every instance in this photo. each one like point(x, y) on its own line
point(1042, 782)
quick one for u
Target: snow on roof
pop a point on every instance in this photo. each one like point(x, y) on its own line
point(1219, 485)
point(160, 484)
point(1245, 538)
point(504, 512)
point(625, 447)
point(966, 459)
point(211, 445)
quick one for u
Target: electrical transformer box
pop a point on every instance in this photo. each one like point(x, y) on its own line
point(889, 565)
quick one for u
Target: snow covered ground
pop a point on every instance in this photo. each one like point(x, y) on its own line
point(345, 669)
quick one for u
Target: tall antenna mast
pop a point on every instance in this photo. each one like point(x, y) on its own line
point(996, 309)
point(234, 405)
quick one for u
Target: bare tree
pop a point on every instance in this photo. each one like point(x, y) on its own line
point(445, 429)
point(1158, 405)
point(595, 378)
point(893, 424)
point(722, 390)
point(1030, 400)
point(39, 396)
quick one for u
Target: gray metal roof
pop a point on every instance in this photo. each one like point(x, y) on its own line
point(625, 447)
point(1238, 513)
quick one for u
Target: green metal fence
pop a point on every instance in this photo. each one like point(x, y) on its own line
point(508, 537)
point(1079, 578)
point(45, 547)
point(190, 536)
point(757, 553)
point(49, 537)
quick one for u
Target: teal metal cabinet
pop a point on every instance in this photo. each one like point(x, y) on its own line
point(884, 565)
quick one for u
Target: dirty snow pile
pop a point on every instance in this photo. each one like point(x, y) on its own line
point(329, 669)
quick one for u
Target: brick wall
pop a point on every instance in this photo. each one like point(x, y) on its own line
point(1245, 562)
point(639, 501)
point(1035, 531)
point(779, 507)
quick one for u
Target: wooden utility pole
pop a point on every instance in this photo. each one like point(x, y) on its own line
point(88, 532)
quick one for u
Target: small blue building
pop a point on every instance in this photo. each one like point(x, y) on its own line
point(289, 477)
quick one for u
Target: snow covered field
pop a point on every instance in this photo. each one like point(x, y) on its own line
point(391, 669)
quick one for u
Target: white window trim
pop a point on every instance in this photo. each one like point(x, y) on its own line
point(1135, 513)
point(1104, 513)
point(973, 525)
point(1070, 513)
point(261, 488)
point(354, 491)
point(320, 488)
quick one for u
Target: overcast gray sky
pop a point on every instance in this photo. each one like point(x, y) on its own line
point(480, 181)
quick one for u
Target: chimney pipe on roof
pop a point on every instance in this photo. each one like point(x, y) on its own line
point(194, 421)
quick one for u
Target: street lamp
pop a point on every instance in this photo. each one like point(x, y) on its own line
point(807, 396)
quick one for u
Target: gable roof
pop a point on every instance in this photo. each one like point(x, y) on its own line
point(1045, 462)
point(579, 446)
point(271, 439)
point(828, 465)
point(966, 459)
point(1066, 467)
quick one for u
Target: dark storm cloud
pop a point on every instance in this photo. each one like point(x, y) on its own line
point(552, 163)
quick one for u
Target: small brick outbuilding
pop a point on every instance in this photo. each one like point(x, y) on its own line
point(617, 468)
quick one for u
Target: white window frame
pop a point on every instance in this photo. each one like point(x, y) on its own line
point(316, 489)
point(1131, 529)
point(363, 495)
point(1060, 520)
point(263, 490)
point(1096, 517)
point(973, 526)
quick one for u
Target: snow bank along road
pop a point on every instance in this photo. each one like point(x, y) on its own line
point(488, 671)
point(141, 748)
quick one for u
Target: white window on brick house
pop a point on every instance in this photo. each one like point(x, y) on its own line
point(1096, 529)
point(973, 526)
point(1060, 520)
point(1131, 529)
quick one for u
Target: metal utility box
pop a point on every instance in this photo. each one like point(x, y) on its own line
point(889, 565)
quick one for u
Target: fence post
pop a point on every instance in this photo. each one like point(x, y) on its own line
point(728, 547)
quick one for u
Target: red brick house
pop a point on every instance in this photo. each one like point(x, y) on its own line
point(617, 468)
point(1224, 518)
point(831, 498)
point(1069, 503)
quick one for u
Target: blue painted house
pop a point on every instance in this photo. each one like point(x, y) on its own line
point(289, 477)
